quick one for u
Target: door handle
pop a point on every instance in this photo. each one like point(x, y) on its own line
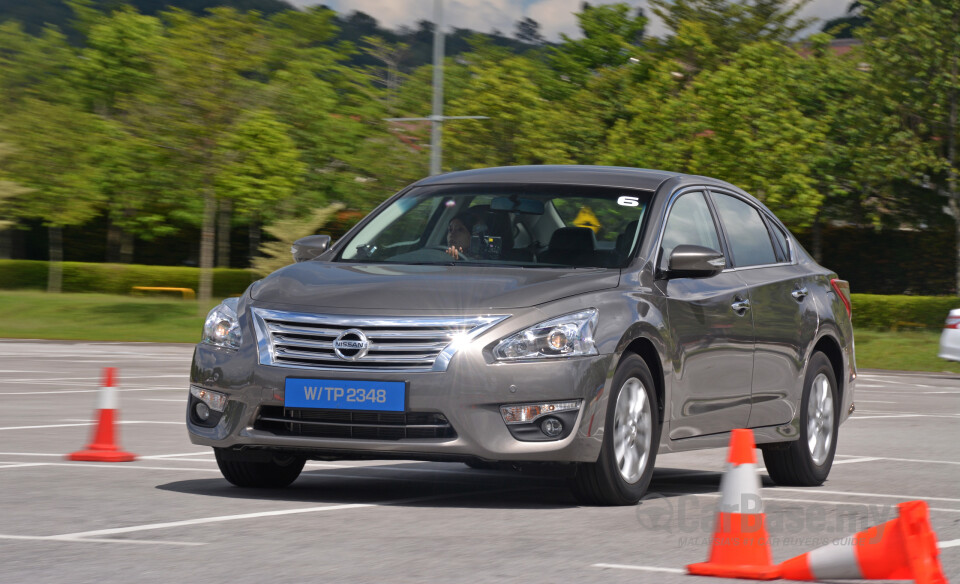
point(740, 306)
point(799, 294)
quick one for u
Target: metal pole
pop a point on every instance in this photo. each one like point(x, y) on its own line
point(436, 128)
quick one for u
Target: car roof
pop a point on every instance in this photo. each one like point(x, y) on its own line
point(611, 176)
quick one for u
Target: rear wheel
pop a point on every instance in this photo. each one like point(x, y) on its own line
point(806, 462)
point(631, 436)
point(257, 470)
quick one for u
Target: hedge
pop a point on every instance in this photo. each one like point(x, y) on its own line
point(869, 310)
point(875, 311)
point(119, 278)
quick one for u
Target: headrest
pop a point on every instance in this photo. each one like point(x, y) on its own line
point(573, 239)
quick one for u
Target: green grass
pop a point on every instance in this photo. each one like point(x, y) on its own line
point(99, 317)
point(904, 350)
point(103, 317)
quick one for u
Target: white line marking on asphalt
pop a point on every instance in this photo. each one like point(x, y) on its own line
point(279, 513)
point(217, 519)
point(48, 426)
point(849, 460)
point(89, 391)
point(94, 379)
point(29, 454)
point(158, 456)
point(949, 544)
point(816, 501)
point(890, 417)
point(641, 568)
point(92, 540)
point(85, 424)
point(124, 466)
point(922, 461)
point(4, 465)
point(813, 490)
point(873, 401)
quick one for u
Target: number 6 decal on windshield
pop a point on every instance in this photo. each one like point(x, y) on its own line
point(627, 201)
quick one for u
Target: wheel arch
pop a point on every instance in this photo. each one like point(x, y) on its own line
point(829, 346)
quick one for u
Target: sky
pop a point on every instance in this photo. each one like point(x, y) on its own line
point(555, 16)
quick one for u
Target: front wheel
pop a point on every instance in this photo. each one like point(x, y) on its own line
point(631, 436)
point(255, 470)
point(806, 462)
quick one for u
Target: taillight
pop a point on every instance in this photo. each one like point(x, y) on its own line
point(953, 322)
point(843, 290)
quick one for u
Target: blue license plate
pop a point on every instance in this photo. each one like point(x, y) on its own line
point(342, 394)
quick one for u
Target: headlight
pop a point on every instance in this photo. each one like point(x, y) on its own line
point(570, 335)
point(222, 327)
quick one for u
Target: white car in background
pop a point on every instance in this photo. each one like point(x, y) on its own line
point(950, 339)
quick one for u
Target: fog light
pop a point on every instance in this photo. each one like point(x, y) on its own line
point(551, 427)
point(203, 412)
point(214, 400)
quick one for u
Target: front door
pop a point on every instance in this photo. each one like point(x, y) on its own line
point(710, 329)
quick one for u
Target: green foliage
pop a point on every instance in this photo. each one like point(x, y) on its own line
point(276, 254)
point(118, 278)
point(878, 312)
point(262, 166)
point(222, 118)
point(730, 24)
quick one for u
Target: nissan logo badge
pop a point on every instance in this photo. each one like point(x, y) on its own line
point(351, 345)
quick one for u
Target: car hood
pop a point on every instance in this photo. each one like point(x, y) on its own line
point(420, 287)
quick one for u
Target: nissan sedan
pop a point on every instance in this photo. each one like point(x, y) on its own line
point(587, 316)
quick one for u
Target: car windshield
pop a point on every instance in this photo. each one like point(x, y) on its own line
point(514, 225)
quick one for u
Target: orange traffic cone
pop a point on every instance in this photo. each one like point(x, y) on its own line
point(904, 548)
point(103, 448)
point(741, 547)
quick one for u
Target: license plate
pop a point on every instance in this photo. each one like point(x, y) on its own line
point(342, 394)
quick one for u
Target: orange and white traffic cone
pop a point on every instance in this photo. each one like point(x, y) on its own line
point(741, 546)
point(104, 448)
point(904, 548)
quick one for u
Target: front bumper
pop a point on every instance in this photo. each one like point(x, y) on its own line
point(469, 395)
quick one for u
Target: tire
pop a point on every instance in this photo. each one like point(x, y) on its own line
point(806, 462)
point(622, 472)
point(260, 473)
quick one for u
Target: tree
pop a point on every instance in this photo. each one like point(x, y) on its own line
point(262, 169)
point(8, 191)
point(913, 48)
point(518, 131)
point(208, 70)
point(55, 146)
point(731, 24)
point(528, 31)
point(115, 68)
point(741, 123)
point(611, 37)
point(276, 254)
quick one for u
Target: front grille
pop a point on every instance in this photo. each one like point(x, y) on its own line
point(342, 424)
point(302, 340)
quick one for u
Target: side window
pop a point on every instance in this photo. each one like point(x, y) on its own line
point(783, 254)
point(746, 232)
point(689, 223)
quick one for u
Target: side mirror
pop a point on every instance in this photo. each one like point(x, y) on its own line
point(694, 261)
point(309, 247)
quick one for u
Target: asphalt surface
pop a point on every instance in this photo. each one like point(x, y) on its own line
point(170, 517)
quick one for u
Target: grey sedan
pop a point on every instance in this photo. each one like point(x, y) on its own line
point(590, 317)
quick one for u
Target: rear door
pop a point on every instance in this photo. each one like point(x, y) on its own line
point(713, 342)
point(784, 314)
